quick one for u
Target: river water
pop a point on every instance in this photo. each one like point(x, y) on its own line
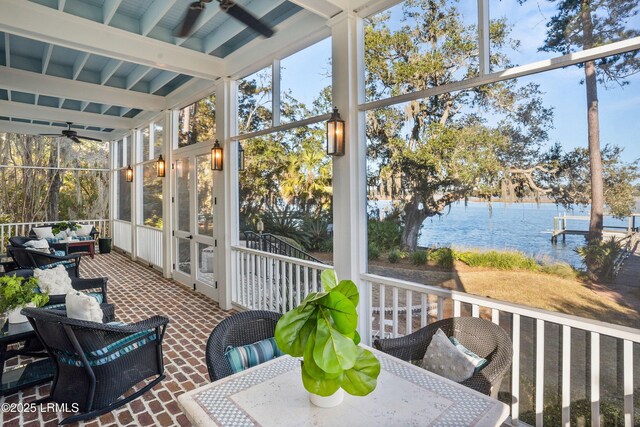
point(526, 227)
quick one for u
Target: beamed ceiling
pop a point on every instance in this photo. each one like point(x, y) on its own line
point(110, 65)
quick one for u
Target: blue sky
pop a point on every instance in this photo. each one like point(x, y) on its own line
point(306, 73)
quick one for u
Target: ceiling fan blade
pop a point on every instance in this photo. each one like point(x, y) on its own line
point(49, 134)
point(74, 139)
point(246, 18)
point(88, 138)
point(192, 15)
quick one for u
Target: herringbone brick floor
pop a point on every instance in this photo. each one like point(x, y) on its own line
point(139, 292)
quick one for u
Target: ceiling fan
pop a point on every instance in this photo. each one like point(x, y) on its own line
point(227, 6)
point(71, 134)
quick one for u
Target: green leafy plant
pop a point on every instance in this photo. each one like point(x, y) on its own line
point(373, 252)
point(63, 226)
point(322, 330)
point(17, 292)
point(384, 234)
point(419, 257)
point(443, 257)
point(395, 256)
point(600, 257)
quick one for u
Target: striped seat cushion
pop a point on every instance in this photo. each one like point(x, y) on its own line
point(110, 352)
point(59, 253)
point(247, 356)
point(66, 264)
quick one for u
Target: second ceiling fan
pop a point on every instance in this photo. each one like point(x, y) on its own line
point(227, 6)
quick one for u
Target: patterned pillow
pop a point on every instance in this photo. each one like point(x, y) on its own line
point(478, 362)
point(247, 356)
point(444, 359)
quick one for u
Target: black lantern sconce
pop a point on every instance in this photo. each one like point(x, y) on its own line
point(240, 157)
point(216, 157)
point(335, 134)
point(129, 174)
point(161, 167)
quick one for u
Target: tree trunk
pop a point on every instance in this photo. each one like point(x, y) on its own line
point(595, 156)
point(55, 183)
point(413, 219)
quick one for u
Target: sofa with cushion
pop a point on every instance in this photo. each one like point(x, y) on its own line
point(26, 241)
point(86, 232)
point(30, 258)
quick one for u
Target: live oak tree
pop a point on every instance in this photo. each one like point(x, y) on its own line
point(433, 152)
point(585, 24)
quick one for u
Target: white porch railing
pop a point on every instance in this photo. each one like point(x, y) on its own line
point(149, 242)
point(122, 235)
point(570, 345)
point(265, 281)
point(22, 228)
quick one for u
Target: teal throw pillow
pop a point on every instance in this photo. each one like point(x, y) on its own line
point(247, 356)
point(478, 362)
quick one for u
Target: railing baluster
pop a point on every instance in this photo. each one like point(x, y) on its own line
point(382, 316)
point(253, 281)
point(424, 309)
point(271, 296)
point(539, 372)
point(305, 273)
point(440, 308)
point(595, 379)
point(290, 287)
point(628, 383)
point(566, 375)
point(515, 371)
point(409, 314)
point(394, 326)
point(298, 285)
point(475, 310)
point(314, 279)
point(278, 288)
point(495, 316)
point(456, 308)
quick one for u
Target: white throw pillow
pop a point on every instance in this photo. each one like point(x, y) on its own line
point(43, 232)
point(84, 230)
point(83, 307)
point(56, 280)
point(444, 359)
point(40, 245)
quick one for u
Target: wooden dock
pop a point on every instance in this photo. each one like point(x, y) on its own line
point(629, 271)
point(619, 232)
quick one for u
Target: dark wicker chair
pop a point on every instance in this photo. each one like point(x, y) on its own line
point(97, 363)
point(30, 259)
point(96, 285)
point(484, 338)
point(19, 242)
point(237, 330)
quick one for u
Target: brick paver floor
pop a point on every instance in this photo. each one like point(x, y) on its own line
point(138, 293)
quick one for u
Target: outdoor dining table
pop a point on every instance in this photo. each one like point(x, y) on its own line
point(272, 394)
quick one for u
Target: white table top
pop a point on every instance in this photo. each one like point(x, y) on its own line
point(272, 394)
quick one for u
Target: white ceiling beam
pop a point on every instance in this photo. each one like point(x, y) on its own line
point(104, 108)
point(7, 50)
point(295, 34)
point(37, 99)
point(79, 63)
point(109, 10)
point(209, 13)
point(84, 105)
point(154, 14)
point(190, 92)
point(37, 112)
point(26, 81)
point(233, 27)
point(160, 80)
point(108, 70)
point(46, 57)
point(322, 8)
point(61, 4)
point(61, 101)
point(124, 110)
point(35, 129)
point(136, 75)
point(38, 22)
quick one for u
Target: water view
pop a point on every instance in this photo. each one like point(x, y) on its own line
point(526, 227)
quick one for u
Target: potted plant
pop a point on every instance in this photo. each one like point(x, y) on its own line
point(64, 226)
point(18, 292)
point(322, 330)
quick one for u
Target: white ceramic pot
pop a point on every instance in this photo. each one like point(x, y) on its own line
point(16, 317)
point(327, 401)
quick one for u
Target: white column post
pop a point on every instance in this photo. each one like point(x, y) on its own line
point(170, 135)
point(225, 186)
point(349, 171)
point(275, 92)
point(136, 154)
point(483, 36)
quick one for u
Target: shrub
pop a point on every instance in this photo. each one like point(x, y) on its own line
point(443, 257)
point(395, 256)
point(501, 260)
point(384, 234)
point(285, 222)
point(326, 245)
point(600, 256)
point(560, 269)
point(317, 230)
point(419, 257)
point(373, 252)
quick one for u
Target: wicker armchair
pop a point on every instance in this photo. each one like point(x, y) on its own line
point(97, 363)
point(237, 330)
point(30, 259)
point(484, 338)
